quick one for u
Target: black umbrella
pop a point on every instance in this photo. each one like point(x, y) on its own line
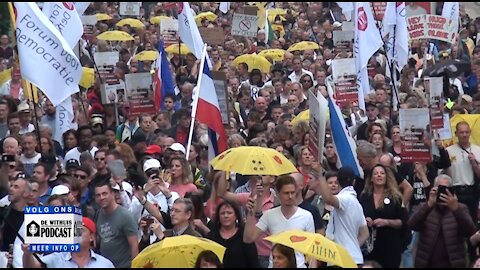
point(452, 68)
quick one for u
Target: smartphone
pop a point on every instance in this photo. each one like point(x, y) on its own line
point(8, 158)
point(443, 189)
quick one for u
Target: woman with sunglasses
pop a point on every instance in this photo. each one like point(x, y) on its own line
point(307, 82)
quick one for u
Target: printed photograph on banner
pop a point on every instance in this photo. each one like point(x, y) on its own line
point(415, 135)
point(169, 31)
point(140, 93)
point(434, 91)
point(345, 81)
point(106, 62)
point(130, 8)
point(89, 22)
point(444, 133)
point(343, 42)
point(110, 93)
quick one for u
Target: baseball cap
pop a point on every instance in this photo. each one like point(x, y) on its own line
point(467, 98)
point(72, 164)
point(126, 186)
point(151, 164)
point(60, 190)
point(177, 147)
point(153, 149)
point(89, 224)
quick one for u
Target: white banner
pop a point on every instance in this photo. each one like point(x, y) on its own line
point(46, 58)
point(244, 25)
point(64, 119)
point(188, 30)
point(66, 19)
point(130, 8)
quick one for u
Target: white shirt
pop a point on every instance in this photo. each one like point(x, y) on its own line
point(345, 223)
point(274, 222)
point(296, 78)
point(462, 171)
point(24, 130)
point(75, 154)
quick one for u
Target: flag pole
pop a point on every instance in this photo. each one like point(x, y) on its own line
point(195, 100)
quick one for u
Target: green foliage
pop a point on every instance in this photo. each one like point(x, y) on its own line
point(5, 22)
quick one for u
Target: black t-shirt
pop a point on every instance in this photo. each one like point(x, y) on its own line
point(317, 219)
point(11, 221)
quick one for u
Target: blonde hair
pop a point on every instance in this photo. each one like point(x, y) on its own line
point(126, 154)
point(391, 187)
point(186, 170)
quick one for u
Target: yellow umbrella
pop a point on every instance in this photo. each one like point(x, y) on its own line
point(279, 28)
point(146, 56)
point(304, 116)
point(115, 35)
point(253, 61)
point(274, 54)
point(303, 45)
point(176, 252)
point(132, 22)
point(88, 77)
point(272, 13)
point(253, 160)
point(473, 121)
point(315, 245)
point(5, 76)
point(174, 49)
point(103, 17)
point(210, 16)
point(157, 19)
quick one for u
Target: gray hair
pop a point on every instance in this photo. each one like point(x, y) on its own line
point(236, 136)
point(366, 149)
point(187, 202)
point(46, 128)
point(446, 177)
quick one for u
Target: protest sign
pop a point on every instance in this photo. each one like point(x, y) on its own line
point(343, 41)
point(112, 94)
point(434, 90)
point(89, 22)
point(130, 8)
point(444, 133)
point(169, 30)
point(140, 93)
point(379, 10)
point(53, 228)
point(244, 25)
point(318, 106)
point(345, 81)
point(415, 135)
point(213, 35)
point(432, 27)
point(106, 62)
point(220, 83)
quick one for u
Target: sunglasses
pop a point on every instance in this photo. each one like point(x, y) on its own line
point(83, 177)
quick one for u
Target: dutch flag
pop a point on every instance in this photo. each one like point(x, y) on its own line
point(342, 139)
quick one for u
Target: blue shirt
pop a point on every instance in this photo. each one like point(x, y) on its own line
point(64, 260)
point(44, 198)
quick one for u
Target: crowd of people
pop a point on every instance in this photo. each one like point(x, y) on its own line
point(130, 176)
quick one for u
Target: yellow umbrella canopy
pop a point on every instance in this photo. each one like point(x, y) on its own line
point(253, 61)
point(315, 245)
point(132, 22)
point(274, 54)
point(176, 252)
point(115, 35)
point(103, 17)
point(88, 77)
point(304, 116)
point(205, 15)
point(157, 19)
point(174, 49)
point(253, 160)
point(146, 56)
point(279, 28)
point(303, 45)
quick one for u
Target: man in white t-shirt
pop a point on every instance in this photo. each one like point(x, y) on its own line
point(279, 219)
point(347, 225)
point(84, 137)
point(465, 159)
point(298, 71)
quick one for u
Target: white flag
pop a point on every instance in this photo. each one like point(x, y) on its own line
point(46, 58)
point(347, 8)
point(81, 7)
point(395, 26)
point(64, 118)
point(188, 30)
point(65, 18)
point(224, 7)
point(367, 42)
point(451, 10)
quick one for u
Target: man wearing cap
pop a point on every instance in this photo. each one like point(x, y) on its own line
point(71, 166)
point(154, 151)
point(85, 258)
point(25, 118)
point(347, 225)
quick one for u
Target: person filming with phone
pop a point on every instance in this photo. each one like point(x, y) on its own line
point(443, 224)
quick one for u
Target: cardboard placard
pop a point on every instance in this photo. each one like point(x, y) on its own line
point(343, 41)
point(415, 135)
point(106, 62)
point(434, 90)
point(130, 8)
point(212, 36)
point(345, 81)
point(140, 93)
point(220, 83)
point(244, 25)
point(431, 27)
